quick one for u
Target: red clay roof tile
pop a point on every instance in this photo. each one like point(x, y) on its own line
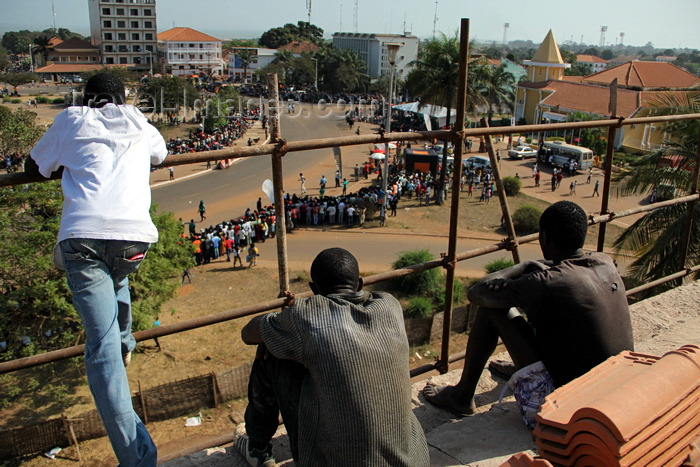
point(645, 75)
point(524, 459)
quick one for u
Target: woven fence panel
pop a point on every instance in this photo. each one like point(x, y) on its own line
point(163, 402)
point(17, 442)
point(233, 383)
point(178, 398)
point(88, 425)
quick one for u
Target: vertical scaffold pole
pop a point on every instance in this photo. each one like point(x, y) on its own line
point(444, 365)
point(277, 181)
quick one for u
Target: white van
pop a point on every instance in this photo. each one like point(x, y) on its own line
point(477, 162)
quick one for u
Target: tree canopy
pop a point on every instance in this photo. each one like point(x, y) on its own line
point(657, 237)
point(302, 31)
point(36, 313)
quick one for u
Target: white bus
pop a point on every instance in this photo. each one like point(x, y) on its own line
point(562, 153)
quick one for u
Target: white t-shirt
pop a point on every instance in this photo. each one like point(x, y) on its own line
point(106, 154)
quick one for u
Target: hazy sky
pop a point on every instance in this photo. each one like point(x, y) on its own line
point(667, 23)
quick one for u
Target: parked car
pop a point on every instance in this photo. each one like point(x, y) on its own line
point(477, 162)
point(522, 152)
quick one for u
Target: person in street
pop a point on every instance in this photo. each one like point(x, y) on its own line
point(577, 317)
point(202, 209)
point(302, 180)
point(105, 150)
point(335, 367)
point(596, 187)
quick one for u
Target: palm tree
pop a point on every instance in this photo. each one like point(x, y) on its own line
point(497, 86)
point(657, 237)
point(434, 78)
point(245, 56)
point(42, 47)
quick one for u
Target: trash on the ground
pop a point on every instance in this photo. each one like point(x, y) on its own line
point(419, 357)
point(214, 450)
point(52, 453)
point(194, 421)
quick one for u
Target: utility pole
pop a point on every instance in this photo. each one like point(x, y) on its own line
point(435, 19)
point(355, 15)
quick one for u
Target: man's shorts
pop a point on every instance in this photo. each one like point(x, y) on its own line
point(530, 386)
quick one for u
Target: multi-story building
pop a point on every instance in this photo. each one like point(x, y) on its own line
point(595, 64)
point(185, 52)
point(124, 31)
point(373, 51)
point(260, 58)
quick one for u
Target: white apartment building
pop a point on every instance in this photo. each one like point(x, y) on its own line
point(124, 31)
point(373, 51)
point(260, 59)
point(185, 52)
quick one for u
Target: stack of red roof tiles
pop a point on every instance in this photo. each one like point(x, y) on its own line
point(631, 410)
point(524, 459)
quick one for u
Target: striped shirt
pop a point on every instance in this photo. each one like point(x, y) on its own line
point(355, 406)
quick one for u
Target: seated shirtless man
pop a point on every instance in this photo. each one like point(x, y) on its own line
point(577, 317)
point(336, 368)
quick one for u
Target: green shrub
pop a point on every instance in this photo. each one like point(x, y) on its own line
point(15, 101)
point(419, 307)
point(42, 100)
point(58, 101)
point(512, 185)
point(425, 283)
point(457, 294)
point(526, 219)
point(528, 140)
point(498, 264)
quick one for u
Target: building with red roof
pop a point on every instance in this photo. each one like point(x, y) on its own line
point(549, 96)
point(187, 52)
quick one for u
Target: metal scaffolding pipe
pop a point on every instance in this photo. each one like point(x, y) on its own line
point(670, 277)
point(194, 323)
point(443, 364)
point(505, 210)
point(293, 146)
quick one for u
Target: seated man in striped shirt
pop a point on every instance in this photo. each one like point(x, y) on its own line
point(335, 365)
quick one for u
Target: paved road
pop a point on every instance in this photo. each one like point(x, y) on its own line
point(227, 193)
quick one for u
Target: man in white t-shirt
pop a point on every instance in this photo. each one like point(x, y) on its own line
point(105, 149)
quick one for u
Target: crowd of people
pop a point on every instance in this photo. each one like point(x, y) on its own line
point(221, 137)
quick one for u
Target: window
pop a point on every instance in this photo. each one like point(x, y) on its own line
point(121, 36)
point(148, 24)
point(106, 11)
point(109, 48)
point(134, 24)
point(108, 36)
point(121, 24)
point(64, 59)
point(122, 60)
point(148, 36)
point(106, 24)
point(122, 48)
point(109, 61)
point(137, 60)
point(135, 36)
point(120, 11)
point(191, 46)
point(149, 47)
point(147, 12)
point(134, 12)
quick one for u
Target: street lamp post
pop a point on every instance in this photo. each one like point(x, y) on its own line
point(316, 75)
point(150, 61)
point(392, 49)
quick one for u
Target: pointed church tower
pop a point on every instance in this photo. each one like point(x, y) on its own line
point(547, 63)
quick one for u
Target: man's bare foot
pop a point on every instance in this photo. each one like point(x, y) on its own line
point(447, 398)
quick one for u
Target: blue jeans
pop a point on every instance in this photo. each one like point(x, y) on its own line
point(97, 273)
